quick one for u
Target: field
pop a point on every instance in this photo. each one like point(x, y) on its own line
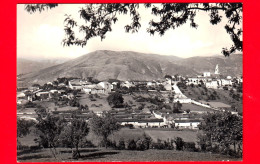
point(99, 155)
point(100, 103)
point(193, 107)
point(186, 135)
point(223, 96)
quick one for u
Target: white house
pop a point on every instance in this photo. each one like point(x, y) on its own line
point(107, 86)
point(187, 124)
point(127, 84)
point(206, 74)
point(213, 84)
point(226, 82)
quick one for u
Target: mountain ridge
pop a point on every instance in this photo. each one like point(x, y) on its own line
point(129, 65)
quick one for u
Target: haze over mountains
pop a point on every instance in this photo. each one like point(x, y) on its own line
point(128, 65)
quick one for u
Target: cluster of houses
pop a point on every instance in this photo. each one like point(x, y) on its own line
point(144, 118)
point(213, 80)
point(156, 119)
point(90, 88)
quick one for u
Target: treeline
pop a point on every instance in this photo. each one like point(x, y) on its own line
point(219, 133)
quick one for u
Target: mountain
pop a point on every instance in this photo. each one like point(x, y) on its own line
point(128, 65)
point(232, 65)
point(25, 66)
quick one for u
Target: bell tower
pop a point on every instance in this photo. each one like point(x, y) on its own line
point(217, 70)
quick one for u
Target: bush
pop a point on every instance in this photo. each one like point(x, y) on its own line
point(189, 146)
point(121, 144)
point(140, 145)
point(179, 143)
point(131, 145)
point(157, 145)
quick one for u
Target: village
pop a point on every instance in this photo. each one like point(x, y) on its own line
point(162, 103)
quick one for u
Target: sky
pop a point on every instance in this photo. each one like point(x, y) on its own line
point(40, 35)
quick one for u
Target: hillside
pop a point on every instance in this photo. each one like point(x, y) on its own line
point(127, 65)
point(25, 66)
point(231, 65)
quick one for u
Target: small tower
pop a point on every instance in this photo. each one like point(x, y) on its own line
point(216, 70)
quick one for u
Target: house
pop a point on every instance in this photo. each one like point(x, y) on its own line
point(127, 84)
point(167, 84)
point(213, 84)
point(42, 95)
point(198, 80)
point(206, 74)
point(224, 82)
point(61, 85)
point(107, 86)
point(187, 124)
point(143, 123)
point(77, 84)
point(98, 90)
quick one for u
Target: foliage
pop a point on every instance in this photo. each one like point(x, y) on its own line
point(177, 107)
point(179, 143)
point(131, 145)
point(49, 129)
point(30, 104)
point(99, 18)
point(168, 76)
point(121, 144)
point(23, 128)
point(104, 126)
point(115, 99)
point(223, 130)
point(189, 146)
point(73, 134)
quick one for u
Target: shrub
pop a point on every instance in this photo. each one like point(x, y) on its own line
point(179, 143)
point(189, 146)
point(157, 145)
point(140, 145)
point(147, 141)
point(131, 145)
point(121, 144)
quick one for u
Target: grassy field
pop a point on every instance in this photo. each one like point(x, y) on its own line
point(193, 107)
point(103, 155)
point(222, 96)
point(101, 102)
point(186, 135)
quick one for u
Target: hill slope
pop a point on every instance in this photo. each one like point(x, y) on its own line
point(127, 65)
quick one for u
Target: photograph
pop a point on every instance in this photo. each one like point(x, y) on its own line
point(124, 82)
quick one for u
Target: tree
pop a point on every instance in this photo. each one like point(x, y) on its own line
point(223, 129)
point(179, 143)
point(177, 107)
point(48, 130)
point(115, 99)
point(73, 135)
point(23, 128)
point(100, 17)
point(168, 77)
point(104, 126)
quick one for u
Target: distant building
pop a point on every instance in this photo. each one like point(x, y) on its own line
point(168, 84)
point(213, 84)
point(187, 124)
point(77, 84)
point(206, 74)
point(127, 84)
point(217, 70)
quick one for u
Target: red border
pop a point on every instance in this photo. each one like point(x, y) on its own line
point(8, 76)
